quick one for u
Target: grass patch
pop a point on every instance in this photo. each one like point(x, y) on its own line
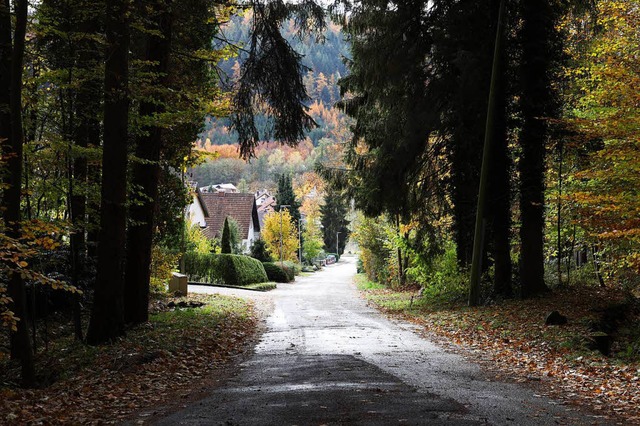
point(262, 286)
point(363, 283)
point(155, 363)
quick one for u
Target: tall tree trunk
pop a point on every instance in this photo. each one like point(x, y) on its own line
point(537, 103)
point(500, 178)
point(12, 139)
point(86, 133)
point(107, 315)
point(146, 177)
point(487, 165)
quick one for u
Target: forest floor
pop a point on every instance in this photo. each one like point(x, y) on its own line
point(181, 351)
point(511, 339)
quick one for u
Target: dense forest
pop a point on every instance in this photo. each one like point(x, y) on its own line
point(506, 142)
point(324, 58)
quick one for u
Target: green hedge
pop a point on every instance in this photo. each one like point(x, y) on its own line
point(203, 268)
point(276, 273)
point(241, 270)
point(230, 269)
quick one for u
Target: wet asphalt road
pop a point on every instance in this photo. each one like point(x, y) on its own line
point(328, 358)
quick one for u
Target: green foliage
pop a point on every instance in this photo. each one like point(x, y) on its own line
point(259, 251)
point(292, 268)
point(203, 267)
point(285, 196)
point(230, 269)
point(225, 243)
point(334, 222)
point(276, 273)
point(262, 286)
point(441, 279)
point(375, 249)
point(163, 262)
point(196, 241)
point(241, 270)
point(312, 241)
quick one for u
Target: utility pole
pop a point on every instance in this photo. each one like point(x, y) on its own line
point(337, 245)
point(280, 212)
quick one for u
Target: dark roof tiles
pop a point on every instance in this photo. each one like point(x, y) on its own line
point(241, 207)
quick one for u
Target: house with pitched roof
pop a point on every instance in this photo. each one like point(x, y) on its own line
point(209, 210)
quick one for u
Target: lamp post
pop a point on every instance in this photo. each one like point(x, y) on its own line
point(300, 240)
point(280, 212)
point(337, 245)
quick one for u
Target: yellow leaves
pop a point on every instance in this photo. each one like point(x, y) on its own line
point(279, 228)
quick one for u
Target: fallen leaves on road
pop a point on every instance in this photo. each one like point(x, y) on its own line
point(511, 337)
point(161, 362)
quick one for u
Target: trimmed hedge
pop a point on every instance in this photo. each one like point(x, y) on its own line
point(276, 273)
point(241, 270)
point(230, 269)
point(203, 268)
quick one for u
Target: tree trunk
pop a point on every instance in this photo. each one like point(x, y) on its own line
point(499, 180)
point(107, 315)
point(537, 103)
point(12, 139)
point(146, 177)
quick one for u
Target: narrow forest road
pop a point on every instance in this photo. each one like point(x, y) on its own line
point(328, 358)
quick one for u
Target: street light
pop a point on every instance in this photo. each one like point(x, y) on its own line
point(337, 246)
point(280, 212)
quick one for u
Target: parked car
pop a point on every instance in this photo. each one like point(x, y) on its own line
point(331, 259)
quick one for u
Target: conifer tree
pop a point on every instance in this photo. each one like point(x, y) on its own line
point(286, 197)
point(334, 223)
point(225, 240)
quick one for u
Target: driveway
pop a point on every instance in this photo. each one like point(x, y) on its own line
point(328, 358)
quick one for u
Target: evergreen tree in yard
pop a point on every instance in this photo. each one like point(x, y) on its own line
point(286, 197)
point(225, 242)
point(334, 221)
point(259, 251)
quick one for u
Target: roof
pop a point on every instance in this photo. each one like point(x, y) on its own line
point(219, 205)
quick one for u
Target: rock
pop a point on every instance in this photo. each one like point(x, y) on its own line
point(555, 318)
point(600, 342)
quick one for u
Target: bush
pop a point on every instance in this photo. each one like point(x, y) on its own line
point(230, 269)
point(241, 270)
point(163, 261)
point(259, 251)
point(296, 268)
point(203, 268)
point(276, 273)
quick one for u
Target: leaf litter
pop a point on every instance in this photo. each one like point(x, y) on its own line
point(511, 339)
point(158, 364)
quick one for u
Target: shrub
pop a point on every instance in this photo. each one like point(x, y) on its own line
point(296, 268)
point(230, 269)
point(241, 270)
point(163, 261)
point(203, 268)
point(276, 273)
point(259, 251)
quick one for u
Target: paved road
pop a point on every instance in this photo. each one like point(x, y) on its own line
point(328, 358)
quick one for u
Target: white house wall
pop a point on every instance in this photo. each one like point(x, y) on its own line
point(195, 213)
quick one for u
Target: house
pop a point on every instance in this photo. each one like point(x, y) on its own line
point(209, 210)
point(220, 187)
point(266, 204)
